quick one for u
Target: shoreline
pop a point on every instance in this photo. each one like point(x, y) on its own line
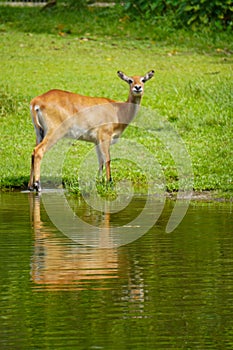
point(200, 196)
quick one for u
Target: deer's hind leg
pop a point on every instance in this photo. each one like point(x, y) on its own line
point(39, 139)
point(38, 153)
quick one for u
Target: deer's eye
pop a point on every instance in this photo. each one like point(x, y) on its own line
point(130, 81)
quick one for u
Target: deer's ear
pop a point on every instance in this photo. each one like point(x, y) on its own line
point(125, 77)
point(148, 76)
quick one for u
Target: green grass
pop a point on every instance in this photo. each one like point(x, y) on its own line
point(81, 52)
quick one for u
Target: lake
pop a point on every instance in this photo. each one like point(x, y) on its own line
point(151, 289)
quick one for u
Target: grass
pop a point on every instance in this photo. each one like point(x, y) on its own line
point(81, 52)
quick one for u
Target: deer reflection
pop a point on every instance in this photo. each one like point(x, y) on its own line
point(59, 263)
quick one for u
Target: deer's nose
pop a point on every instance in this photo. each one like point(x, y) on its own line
point(137, 88)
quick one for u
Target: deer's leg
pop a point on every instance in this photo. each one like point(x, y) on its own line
point(30, 184)
point(38, 153)
point(100, 160)
point(108, 170)
point(39, 138)
point(104, 147)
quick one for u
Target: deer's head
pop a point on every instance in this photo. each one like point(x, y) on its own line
point(136, 83)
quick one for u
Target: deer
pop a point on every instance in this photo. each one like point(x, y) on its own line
point(58, 113)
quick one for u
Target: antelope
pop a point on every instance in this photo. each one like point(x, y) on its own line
point(57, 114)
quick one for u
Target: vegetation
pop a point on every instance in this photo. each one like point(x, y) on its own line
point(81, 52)
point(218, 14)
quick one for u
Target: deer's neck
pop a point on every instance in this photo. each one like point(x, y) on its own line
point(129, 109)
point(134, 100)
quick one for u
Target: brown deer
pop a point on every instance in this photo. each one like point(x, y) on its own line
point(100, 120)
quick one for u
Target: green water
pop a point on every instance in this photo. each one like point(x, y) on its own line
point(162, 291)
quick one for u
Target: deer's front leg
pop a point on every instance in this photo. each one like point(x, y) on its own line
point(100, 160)
point(104, 149)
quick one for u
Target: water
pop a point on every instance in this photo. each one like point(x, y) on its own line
point(162, 291)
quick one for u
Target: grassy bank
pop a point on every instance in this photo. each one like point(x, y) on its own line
point(81, 52)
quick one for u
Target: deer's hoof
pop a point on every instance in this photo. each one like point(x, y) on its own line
point(37, 186)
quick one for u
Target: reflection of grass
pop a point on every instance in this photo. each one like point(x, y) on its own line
point(192, 88)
